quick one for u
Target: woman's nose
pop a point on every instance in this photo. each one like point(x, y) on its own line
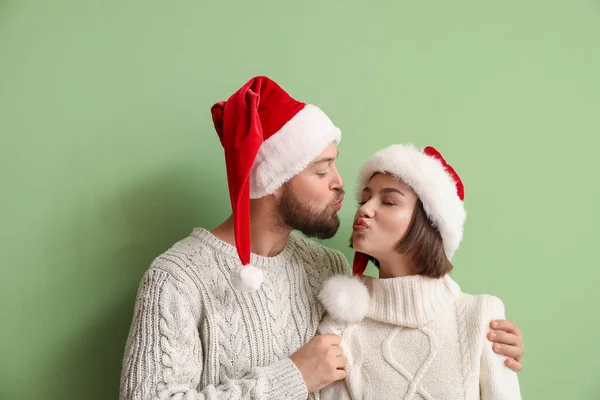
point(366, 210)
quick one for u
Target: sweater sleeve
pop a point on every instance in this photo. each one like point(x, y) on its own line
point(497, 381)
point(164, 355)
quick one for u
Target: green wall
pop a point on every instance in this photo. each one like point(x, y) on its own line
point(108, 156)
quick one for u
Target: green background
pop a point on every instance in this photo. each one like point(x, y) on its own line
point(108, 156)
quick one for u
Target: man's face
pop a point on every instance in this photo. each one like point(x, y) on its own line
point(310, 201)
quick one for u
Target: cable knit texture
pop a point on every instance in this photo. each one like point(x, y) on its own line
point(194, 337)
point(422, 339)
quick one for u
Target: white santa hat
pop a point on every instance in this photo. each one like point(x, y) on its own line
point(268, 138)
point(441, 191)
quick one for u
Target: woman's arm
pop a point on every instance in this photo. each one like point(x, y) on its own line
point(497, 382)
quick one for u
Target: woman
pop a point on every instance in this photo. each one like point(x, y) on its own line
point(412, 334)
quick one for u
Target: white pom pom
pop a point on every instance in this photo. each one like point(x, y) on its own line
point(346, 298)
point(246, 278)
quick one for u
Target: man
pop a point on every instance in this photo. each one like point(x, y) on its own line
point(220, 316)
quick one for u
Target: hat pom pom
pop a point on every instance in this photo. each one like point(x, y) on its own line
point(346, 298)
point(246, 278)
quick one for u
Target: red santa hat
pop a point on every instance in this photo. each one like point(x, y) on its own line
point(442, 193)
point(268, 138)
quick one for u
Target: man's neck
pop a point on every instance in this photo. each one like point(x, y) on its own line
point(268, 238)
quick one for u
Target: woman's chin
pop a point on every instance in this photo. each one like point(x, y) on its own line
point(359, 243)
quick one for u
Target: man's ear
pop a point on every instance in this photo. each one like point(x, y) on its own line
point(277, 194)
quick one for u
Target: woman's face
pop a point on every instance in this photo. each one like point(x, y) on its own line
point(384, 216)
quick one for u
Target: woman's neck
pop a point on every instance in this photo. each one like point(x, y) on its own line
point(396, 265)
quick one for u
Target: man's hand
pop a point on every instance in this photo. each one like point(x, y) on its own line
point(321, 361)
point(508, 341)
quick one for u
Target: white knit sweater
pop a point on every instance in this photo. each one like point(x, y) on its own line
point(422, 339)
point(194, 337)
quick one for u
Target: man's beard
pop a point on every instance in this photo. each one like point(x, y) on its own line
point(299, 216)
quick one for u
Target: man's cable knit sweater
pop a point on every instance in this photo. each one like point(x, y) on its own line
point(422, 339)
point(194, 337)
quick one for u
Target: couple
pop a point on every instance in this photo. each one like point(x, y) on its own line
point(220, 316)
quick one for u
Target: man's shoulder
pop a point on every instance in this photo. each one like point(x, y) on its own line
point(190, 254)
